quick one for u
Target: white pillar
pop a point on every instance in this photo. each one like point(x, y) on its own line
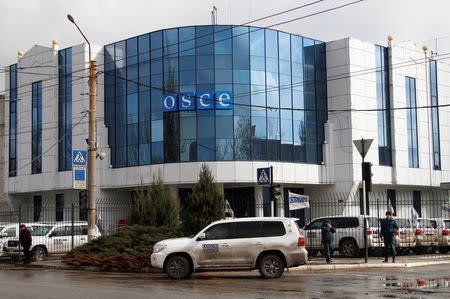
point(259, 208)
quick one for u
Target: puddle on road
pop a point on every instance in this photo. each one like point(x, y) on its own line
point(440, 283)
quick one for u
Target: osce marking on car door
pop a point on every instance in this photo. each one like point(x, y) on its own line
point(210, 248)
point(204, 100)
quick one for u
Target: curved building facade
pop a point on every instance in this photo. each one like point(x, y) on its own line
point(215, 93)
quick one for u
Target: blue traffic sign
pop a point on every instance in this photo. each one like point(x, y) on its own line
point(79, 158)
point(263, 176)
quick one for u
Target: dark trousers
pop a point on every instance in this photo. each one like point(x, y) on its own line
point(389, 242)
point(328, 250)
point(27, 254)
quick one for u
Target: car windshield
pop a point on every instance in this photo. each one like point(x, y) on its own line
point(372, 221)
point(426, 223)
point(403, 222)
point(41, 230)
point(447, 224)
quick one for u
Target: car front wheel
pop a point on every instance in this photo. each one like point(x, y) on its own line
point(178, 267)
point(271, 266)
point(39, 253)
point(348, 248)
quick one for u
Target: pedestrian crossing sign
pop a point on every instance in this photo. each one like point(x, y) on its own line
point(79, 158)
point(263, 176)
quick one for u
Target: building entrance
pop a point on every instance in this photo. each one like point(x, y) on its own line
point(242, 201)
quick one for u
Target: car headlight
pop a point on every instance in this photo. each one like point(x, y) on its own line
point(158, 247)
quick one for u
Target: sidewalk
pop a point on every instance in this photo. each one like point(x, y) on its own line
point(373, 262)
point(316, 264)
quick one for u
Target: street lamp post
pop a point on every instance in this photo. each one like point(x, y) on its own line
point(92, 144)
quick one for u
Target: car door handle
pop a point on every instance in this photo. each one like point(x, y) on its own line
point(64, 239)
point(258, 243)
point(82, 239)
point(225, 245)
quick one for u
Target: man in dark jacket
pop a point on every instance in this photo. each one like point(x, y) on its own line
point(25, 242)
point(388, 228)
point(327, 239)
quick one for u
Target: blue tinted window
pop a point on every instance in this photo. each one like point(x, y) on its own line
point(205, 40)
point(383, 114)
point(435, 115)
point(36, 139)
point(411, 117)
point(241, 48)
point(187, 41)
point(12, 120)
point(65, 105)
point(222, 40)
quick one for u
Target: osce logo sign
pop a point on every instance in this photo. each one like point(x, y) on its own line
point(203, 100)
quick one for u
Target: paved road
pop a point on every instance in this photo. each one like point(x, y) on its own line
point(429, 282)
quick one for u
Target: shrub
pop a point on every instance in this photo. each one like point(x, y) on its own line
point(129, 249)
point(154, 206)
point(204, 204)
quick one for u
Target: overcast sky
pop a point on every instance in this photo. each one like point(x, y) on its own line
point(25, 23)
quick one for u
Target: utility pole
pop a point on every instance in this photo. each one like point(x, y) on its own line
point(92, 143)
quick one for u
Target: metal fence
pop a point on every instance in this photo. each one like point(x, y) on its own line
point(423, 220)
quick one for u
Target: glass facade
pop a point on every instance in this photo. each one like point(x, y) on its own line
point(435, 115)
point(411, 118)
point(383, 114)
point(13, 120)
point(65, 110)
point(36, 136)
point(276, 82)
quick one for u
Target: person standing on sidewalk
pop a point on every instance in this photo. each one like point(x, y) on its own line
point(388, 228)
point(25, 242)
point(327, 239)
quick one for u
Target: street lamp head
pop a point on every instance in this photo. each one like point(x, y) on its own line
point(71, 19)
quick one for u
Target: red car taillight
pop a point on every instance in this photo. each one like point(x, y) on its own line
point(369, 232)
point(445, 232)
point(301, 241)
point(396, 233)
point(419, 232)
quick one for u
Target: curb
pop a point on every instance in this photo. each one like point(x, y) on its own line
point(367, 266)
point(325, 267)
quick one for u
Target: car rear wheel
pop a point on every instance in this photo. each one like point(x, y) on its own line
point(178, 267)
point(39, 253)
point(348, 248)
point(271, 266)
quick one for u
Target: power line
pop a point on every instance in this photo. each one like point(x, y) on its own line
point(51, 146)
point(208, 34)
point(233, 36)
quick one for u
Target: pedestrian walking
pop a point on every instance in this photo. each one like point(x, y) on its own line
point(388, 228)
point(327, 239)
point(25, 241)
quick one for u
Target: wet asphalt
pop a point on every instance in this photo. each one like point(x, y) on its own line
point(419, 282)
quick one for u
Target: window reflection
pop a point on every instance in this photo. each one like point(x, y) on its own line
point(265, 69)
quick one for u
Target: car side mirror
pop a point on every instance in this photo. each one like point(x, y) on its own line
point(2, 235)
point(52, 235)
point(201, 237)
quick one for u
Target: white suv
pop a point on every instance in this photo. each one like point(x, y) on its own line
point(349, 236)
point(269, 244)
point(54, 238)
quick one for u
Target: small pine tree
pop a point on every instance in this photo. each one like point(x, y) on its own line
point(154, 206)
point(204, 205)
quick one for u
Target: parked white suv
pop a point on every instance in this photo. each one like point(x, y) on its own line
point(349, 236)
point(54, 238)
point(269, 244)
